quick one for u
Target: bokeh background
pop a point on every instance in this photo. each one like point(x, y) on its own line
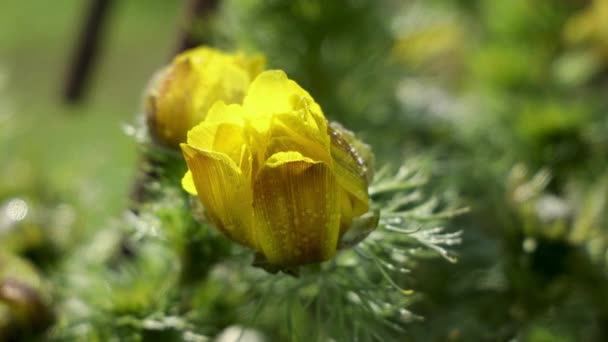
point(505, 101)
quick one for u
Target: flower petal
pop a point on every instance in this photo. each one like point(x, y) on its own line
point(222, 112)
point(171, 105)
point(273, 93)
point(224, 192)
point(346, 210)
point(350, 171)
point(296, 210)
point(202, 136)
point(188, 183)
point(225, 135)
point(288, 132)
point(218, 76)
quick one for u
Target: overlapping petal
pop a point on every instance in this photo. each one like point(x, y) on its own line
point(273, 93)
point(288, 132)
point(224, 192)
point(297, 215)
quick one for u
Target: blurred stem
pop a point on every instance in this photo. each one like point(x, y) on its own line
point(147, 172)
point(194, 10)
point(87, 47)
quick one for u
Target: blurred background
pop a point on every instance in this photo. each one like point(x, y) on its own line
point(507, 101)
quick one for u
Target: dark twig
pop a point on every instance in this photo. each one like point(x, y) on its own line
point(194, 10)
point(86, 50)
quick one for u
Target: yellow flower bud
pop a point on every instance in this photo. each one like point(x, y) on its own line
point(273, 176)
point(182, 93)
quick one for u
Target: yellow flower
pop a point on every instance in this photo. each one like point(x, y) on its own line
point(183, 92)
point(590, 26)
point(273, 176)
